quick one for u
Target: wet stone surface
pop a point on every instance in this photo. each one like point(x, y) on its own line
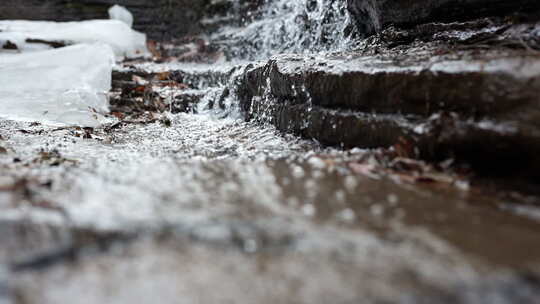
point(374, 15)
point(207, 207)
point(255, 215)
point(462, 90)
point(196, 191)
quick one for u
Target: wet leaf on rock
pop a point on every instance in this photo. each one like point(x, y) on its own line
point(405, 148)
point(415, 171)
point(163, 76)
point(368, 170)
point(118, 115)
point(408, 170)
point(140, 89)
point(155, 49)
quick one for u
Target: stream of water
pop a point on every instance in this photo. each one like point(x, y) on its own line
point(284, 26)
point(215, 209)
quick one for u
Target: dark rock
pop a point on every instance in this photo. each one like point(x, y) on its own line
point(372, 16)
point(331, 127)
point(187, 102)
point(127, 75)
point(369, 84)
point(200, 79)
point(25, 240)
point(230, 12)
point(486, 114)
point(160, 19)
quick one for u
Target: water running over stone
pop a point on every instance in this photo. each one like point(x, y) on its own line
point(204, 207)
point(284, 26)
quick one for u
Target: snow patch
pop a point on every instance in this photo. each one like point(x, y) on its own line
point(59, 73)
point(124, 41)
point(65, 86)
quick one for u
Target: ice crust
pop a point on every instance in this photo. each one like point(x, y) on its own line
point(64, 86)
point(124, 41)
point(67, 85)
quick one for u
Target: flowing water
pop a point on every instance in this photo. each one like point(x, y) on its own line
point(284, 26)
point(208, 208)
point(308, 27)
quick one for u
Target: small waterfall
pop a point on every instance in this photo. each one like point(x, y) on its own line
point(222, 101)
point(277, 27)
point(290, 26)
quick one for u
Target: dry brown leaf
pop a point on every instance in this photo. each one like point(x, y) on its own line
point(152, 46)
point(163, 76)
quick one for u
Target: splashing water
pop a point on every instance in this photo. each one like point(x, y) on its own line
point(222, 101)
point(280, 26)
point(291, 26)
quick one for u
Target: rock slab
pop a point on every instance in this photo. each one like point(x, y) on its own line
point(372, 16)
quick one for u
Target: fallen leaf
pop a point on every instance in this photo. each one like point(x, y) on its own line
point(140, 89)
point(404, 148)
point(163, 76)
point(152, 46)
point(118, 115)
point(368, 170)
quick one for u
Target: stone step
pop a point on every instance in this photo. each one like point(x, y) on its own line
point(482, 112)
point(196, 76)
point(488, 146)
point(187, 101)
point(483, 87)
point(372, 16)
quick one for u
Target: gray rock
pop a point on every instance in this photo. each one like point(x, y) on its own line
point(374, 15)
point(479, 110)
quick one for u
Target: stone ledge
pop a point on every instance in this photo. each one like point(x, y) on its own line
point(482, 112)
point(372, 16)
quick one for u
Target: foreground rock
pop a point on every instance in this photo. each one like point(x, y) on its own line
point(194, 208)
point(430, 100)
point(219, 210)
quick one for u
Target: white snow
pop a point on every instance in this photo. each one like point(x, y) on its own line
point(124, 41)
point(65, 86)
point(121, 13)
